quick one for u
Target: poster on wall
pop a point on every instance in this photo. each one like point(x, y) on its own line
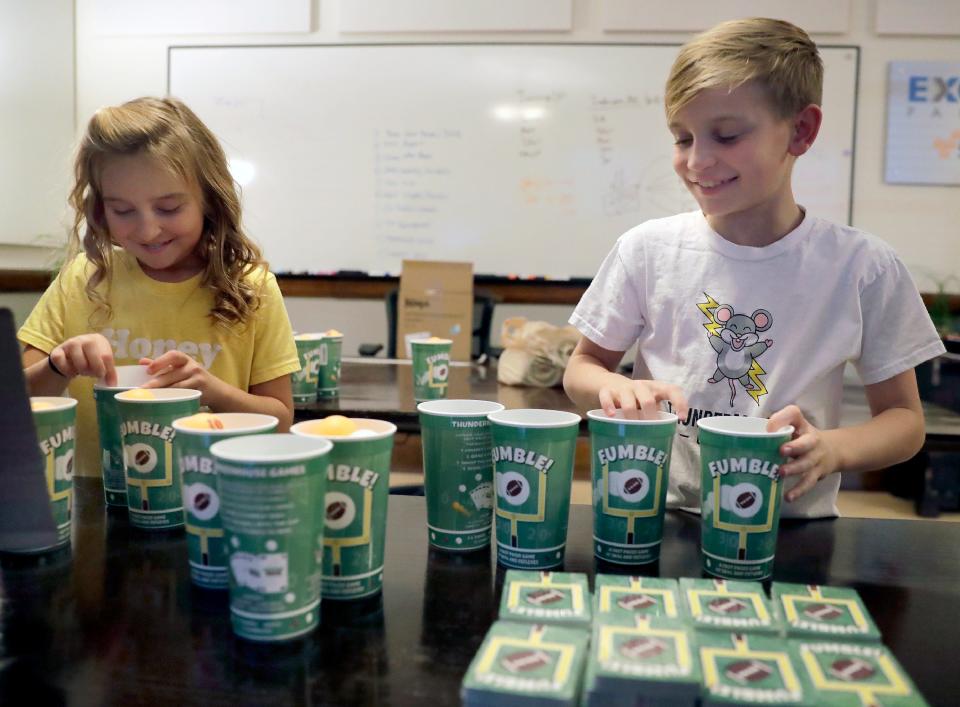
point(923, 123)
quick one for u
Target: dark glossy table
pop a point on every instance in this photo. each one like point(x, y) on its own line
point(117, 622)
point(383, 388)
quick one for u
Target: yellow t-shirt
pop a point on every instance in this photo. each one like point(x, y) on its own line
point(150, 318)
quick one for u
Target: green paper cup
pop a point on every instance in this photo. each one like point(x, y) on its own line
point(108, 426)
point(206, 547)
point(304, 381)
point(431, 368)
point(630, 464)
point(153, 478)
point(55, 419)
point(458, 472)
point(270, 486)
point(355, 506)
point(740, 490)
point(328, 370)
point(533, 452)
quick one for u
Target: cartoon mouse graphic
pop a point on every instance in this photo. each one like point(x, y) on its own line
point(738, 345)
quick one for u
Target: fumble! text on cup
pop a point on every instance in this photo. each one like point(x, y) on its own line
point(354, 509)
point(55, 420)
point(206, 547)
point(630, 462)
point(431, 368)
point(153, 479)
point(533, 452)
point(740, 495)
point(108, 426)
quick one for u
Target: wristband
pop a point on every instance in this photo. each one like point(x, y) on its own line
point(54, 368)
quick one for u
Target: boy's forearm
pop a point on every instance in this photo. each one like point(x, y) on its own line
point(892, 436)
point(583, 379)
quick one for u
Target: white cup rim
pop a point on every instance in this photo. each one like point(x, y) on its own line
point(256, 422)
point(134, 375)
point(535, 417)
point(274, 448)
point(741, 426)
point(59, 403)
point(425, 342)
point(453, 407)
point(619, 419)
point(301, 429)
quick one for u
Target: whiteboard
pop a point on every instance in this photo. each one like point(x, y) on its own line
point(525, 159)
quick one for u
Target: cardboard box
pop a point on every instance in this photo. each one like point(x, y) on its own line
point(435, 299)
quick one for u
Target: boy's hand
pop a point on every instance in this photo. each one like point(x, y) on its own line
point(811, 454)
point(639, 399)
point(175, 369)
point(85, 355)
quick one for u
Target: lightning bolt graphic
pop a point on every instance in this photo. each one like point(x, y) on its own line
point(755, 372)
point(708, 308)
point(714, 328)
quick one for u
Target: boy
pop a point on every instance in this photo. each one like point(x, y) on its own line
point(752, 306)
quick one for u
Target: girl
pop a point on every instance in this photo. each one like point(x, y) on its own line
point(166, 276)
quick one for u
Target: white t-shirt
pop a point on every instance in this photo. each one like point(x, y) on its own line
point(800, 308)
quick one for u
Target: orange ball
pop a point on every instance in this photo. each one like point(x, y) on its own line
point(334, 426)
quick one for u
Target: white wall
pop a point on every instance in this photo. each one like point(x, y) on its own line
point(920, 222)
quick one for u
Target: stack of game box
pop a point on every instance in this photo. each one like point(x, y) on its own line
point(642, 652)
point(734, 607)
point(679, 644)
point(642, 661)
point(527, 665)
point(839, 650)
point(561, 598)
point(534, 655)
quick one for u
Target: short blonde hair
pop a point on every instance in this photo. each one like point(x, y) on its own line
point(778, 56)
point(167, 130)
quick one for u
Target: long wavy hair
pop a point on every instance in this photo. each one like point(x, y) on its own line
point(168, 131)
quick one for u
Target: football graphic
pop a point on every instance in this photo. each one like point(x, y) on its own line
point(744, 500)
point(822, 612)
point(634, 602)
point(140, 457)
point(727, 605)
point(201, 500)
point(513, 488)
point(336, 510)
point(524, 661)
point(851, 669)
point(544, 596)
point(747, 671)
point(643, 648)
point(340, 510)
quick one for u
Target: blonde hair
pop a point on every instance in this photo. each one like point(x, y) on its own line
point(778, 56)
point(168, 131)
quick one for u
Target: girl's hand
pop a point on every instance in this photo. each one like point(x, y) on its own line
point(175, 369)
point(639, 399)
point(810, 452)
point(85, 355)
